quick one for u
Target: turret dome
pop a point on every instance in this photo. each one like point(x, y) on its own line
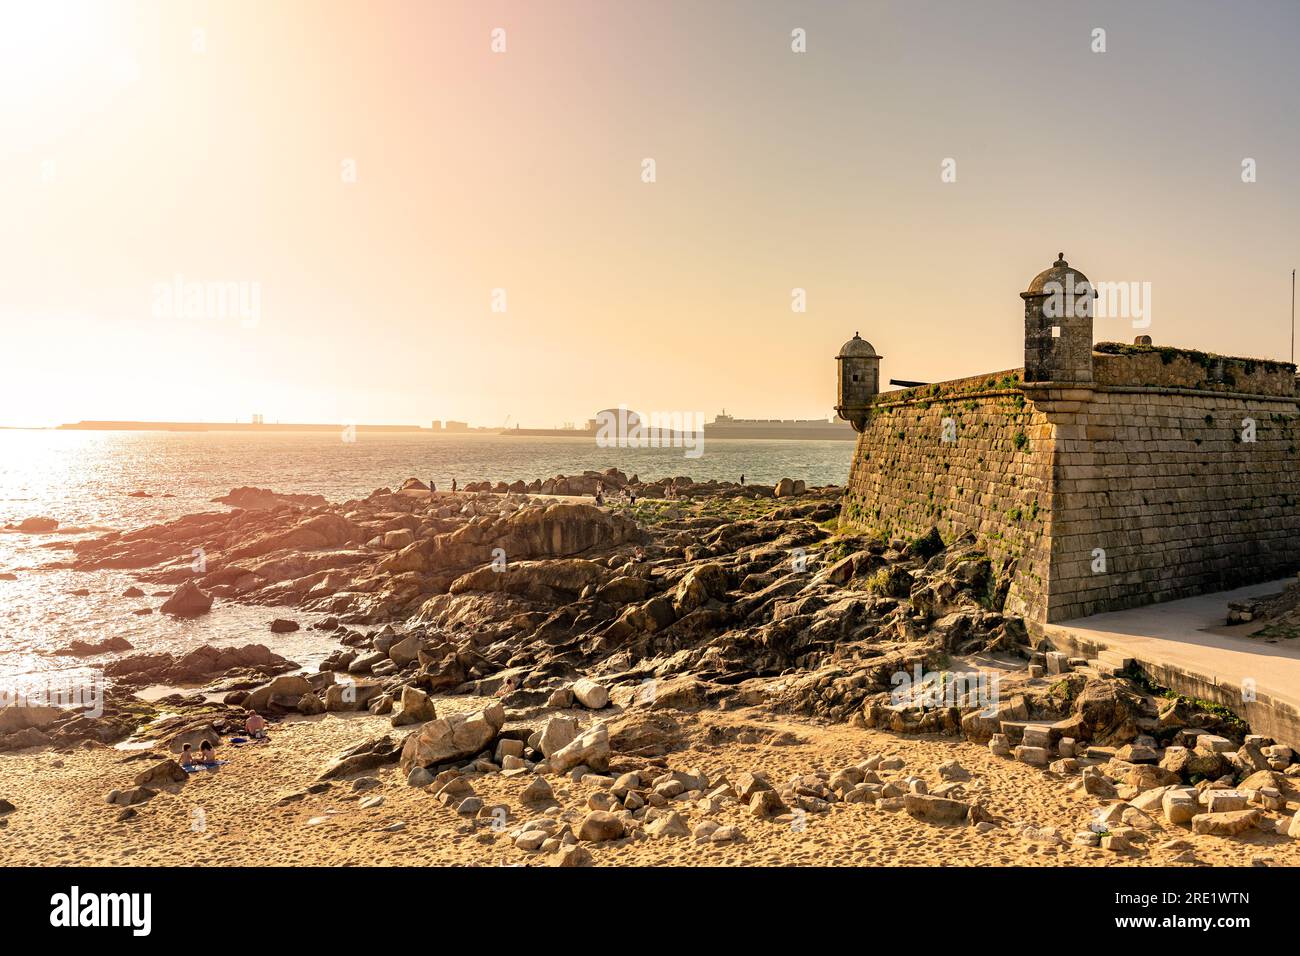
point(1057, 273)
point(857, 347)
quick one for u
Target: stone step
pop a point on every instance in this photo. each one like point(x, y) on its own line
point(1117, 659)
point(1040, 733)
point(1057, 662)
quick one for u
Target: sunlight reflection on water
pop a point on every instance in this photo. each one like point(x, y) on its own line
point(86, 479)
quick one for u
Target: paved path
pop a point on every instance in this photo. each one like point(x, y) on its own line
point(1187, 646)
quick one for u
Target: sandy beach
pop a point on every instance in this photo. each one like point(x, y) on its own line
point(61, 817)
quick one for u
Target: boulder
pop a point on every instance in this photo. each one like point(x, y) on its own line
point(283, 626)
point(561, 698)
point(571, 856)
point(1037, 756)
point(1179, 806)
point(1149, 777)
point(590, 748)
point(599, 826)
point(1107, 713)
point(748, 784)
point(551, 580)
point(396, 540)
point(539, 791)
point(766, 803)
point(668, 825)
point(557, 734)
point(456, 737)
point(935, 809)
point(644, 734)
point(1224, 801)
point(700, 584)
point(1230, 823)
point(187, 601)
point(351, 695)
point(417, 707)
point(17, 717)
point(405, 651)
point(284, 692)
point(590, 694)
point(1195, 764)
point(127, 798)
point(161, 773)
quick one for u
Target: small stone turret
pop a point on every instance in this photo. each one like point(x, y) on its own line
point(1058, 325)
point(859, 380)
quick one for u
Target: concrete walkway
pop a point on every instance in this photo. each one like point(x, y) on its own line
point(1186, 646)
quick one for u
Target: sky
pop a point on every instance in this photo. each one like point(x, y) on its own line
point(373, 215)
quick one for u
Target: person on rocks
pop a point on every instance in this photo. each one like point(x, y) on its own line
point(187, 756)
point(600, 496)
point(207, 756)
point(742, 480)
point(255, 725)
point(433, 489)
point(453, 486)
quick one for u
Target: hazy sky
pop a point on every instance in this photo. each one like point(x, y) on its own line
point(142, 142)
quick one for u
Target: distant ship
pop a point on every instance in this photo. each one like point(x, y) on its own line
point(800, 429)
point(723, 426)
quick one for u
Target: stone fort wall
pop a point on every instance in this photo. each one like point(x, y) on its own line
point(1160, 493)
point(967, 455)
point(1143, 486)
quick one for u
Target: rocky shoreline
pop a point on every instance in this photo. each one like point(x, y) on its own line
point(597, 643)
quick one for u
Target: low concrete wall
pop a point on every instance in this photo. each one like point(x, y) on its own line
point(1266, 714)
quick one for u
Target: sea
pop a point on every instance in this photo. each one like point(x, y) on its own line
point(85, 481)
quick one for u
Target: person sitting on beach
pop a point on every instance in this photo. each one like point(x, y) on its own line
point(187, 756)
point(255, 725)
point(207, 756)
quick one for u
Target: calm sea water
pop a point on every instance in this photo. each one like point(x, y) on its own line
point(84, 479)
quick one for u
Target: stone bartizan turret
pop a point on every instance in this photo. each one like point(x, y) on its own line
point(1058, 325)
point(859, 380)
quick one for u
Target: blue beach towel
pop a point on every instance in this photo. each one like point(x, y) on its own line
point(204, 766)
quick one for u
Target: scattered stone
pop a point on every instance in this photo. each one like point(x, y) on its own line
point(591, 695)
point(539, 791)
point(766, 803)
point(1179, 806)
point(599, 826)
point(1035, 756)
point(572, 856)
point(670, 825)
point(936, 809)
point(1227, 823)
